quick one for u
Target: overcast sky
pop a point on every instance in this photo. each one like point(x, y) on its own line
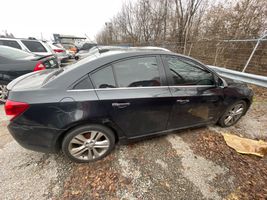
point(26, 18)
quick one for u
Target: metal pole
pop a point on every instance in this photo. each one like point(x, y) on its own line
point(252, 53)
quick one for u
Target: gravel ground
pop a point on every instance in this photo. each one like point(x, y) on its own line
point(189, 164)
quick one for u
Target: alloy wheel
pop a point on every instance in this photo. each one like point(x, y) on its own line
point(89, 145)
point(234, 114)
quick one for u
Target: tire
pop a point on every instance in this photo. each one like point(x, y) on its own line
point(88, 143)
point(231, 116)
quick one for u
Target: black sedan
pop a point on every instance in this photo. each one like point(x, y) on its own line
point(15, 62)
point(86, 108)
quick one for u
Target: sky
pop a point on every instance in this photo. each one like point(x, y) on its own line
point(33, 18)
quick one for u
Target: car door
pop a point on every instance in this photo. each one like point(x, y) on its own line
point(135, 93)
point(196, 98)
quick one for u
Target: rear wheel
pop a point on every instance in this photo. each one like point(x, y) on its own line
point(3, 93)
point(233, 114)
point(88, 143)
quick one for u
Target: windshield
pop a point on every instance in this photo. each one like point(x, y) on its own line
point(13, 53)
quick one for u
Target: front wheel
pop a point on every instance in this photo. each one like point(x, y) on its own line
point(233, 114)
point(88, 143)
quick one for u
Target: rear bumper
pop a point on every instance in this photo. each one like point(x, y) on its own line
point(40, 139)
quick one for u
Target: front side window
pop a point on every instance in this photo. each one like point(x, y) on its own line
point(186, 72)
point(104, 78)
point(34, 46)
point(137, 72)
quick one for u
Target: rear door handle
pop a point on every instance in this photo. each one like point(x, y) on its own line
point(182, 101)
point(120, 105)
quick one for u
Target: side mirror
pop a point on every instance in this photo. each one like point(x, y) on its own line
point(221, 83)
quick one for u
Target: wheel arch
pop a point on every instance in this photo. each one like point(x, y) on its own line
point(248, 102)
point(106, 123)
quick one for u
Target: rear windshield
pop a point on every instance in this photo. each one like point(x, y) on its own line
point(13, 53)
point(34, 46)
point(87, 46)
point(68, 68)
point(10, 43)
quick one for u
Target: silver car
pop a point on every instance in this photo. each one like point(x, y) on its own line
point(101, 49)
point(37, 47)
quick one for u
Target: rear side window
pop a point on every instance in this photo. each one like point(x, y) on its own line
point(83, 83)
point(10, 43)
point(137, 72)
point(104, 78)
point(34, 46)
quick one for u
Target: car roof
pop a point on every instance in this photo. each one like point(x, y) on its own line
point(15, 39)
point(8, 39)
point(152, 48)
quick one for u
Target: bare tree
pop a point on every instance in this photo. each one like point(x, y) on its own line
point(183, 21)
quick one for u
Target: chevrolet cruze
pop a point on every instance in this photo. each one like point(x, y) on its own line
point(119, 96)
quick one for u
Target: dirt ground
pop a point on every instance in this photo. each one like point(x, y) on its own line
point(189, 164)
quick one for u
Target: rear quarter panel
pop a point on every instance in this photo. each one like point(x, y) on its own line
point(43, 124)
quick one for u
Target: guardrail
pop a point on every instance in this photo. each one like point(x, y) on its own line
point(241, 76)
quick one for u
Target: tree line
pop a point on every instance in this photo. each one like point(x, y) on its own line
point(152, 22)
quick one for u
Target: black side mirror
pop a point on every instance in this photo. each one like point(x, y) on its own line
point(221, 83)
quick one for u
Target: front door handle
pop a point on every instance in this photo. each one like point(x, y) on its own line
point(182, 101)
point(120, 105)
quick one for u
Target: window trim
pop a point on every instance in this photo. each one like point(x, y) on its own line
point(169, 75)
point(71, 87)
point(135, 88)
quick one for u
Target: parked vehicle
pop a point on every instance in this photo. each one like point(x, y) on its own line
point(60, 51)
point(70, 47)
point(87, 46)
point(15, 62)
point(119, 96)
point(101, 49)
point(96, 49)
point(30, 45)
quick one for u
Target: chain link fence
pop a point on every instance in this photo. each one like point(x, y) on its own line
point(227, 54)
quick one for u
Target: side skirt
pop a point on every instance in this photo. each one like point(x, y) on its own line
point(125, 140)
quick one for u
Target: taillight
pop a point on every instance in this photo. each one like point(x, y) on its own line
point(58, 50)
point(14, 109)
point(39, 66)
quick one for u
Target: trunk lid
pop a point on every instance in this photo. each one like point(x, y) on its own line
point(33, 80)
